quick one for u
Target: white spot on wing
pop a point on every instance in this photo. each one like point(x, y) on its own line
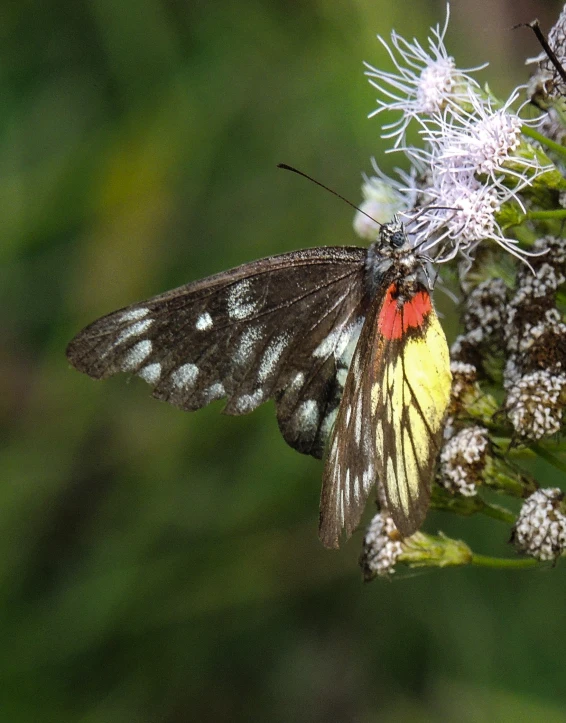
point(134, 314)
point(248, 402)
point(240, 306)
point(328, 345)
point(357, 488)
point(215, 391)
point(358, 422)
point(136, 329)
point(151, 373)
point(341, 376)
point(348, 341)
point(137, 355)
point(307, 415)
point(250, 337)
point(204, 322)
point(298, 380)
point(370, 476)
point(328, 423)
point(185, 376)
point(271, 357)
point(334, 448)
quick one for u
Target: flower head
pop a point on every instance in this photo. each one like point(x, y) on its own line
point(535, 404)
point(482, 139)
point(381, 547)
point(426, 81)
point(462, 460)
point(384, 197)
point(540, 530)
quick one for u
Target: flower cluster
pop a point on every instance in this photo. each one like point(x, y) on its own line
point(535, 340)
point(483, 171)
point(474, 158)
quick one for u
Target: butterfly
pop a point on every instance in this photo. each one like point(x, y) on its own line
point(344, 339)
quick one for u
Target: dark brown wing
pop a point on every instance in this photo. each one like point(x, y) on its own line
point(275, 328)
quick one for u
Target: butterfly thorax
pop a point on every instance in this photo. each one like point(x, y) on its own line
point(393, 258)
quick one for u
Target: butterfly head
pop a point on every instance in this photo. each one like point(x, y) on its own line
point(393, 234)
point(393, 255)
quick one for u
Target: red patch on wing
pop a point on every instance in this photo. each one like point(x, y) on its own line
point(396, 317)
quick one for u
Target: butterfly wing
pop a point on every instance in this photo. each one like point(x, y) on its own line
point(274, 328)
point(391, 417)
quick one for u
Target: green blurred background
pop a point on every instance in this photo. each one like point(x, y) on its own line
point(160, 566)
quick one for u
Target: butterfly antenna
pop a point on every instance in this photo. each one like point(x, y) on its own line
point(535, 27)
point(285, 167)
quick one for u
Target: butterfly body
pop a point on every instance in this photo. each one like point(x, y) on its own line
point(344, 339)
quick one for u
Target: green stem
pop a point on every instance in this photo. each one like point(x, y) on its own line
point(498, 513)
point(503, 562)
point(543, 140)
point(548, 457)
point(545, 215)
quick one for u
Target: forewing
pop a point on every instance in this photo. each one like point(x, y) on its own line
point(389, 426)
point(272, 328)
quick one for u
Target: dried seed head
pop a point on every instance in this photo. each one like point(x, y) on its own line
point(535, 335)
point(465, 390)
point(535, 404)
point(484, 315)
point(546, 83)
point(463, 459)
point(485, 309)
point(381, 547)
point(540, 530)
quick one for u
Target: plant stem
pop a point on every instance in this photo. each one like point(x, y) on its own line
point(498, 513)
point(503, 562)
point(549, 457)
point(545, 215)
point(543, 140)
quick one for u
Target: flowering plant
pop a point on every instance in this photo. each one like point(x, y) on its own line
point(485, 170)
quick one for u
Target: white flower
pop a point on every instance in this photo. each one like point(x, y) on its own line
point(426, 81)
point(474, 160)
point(460, 214)
point(381, 202)
point(384, 197)
point(481, 140)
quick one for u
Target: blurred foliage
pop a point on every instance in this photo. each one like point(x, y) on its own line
point(159, 566)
